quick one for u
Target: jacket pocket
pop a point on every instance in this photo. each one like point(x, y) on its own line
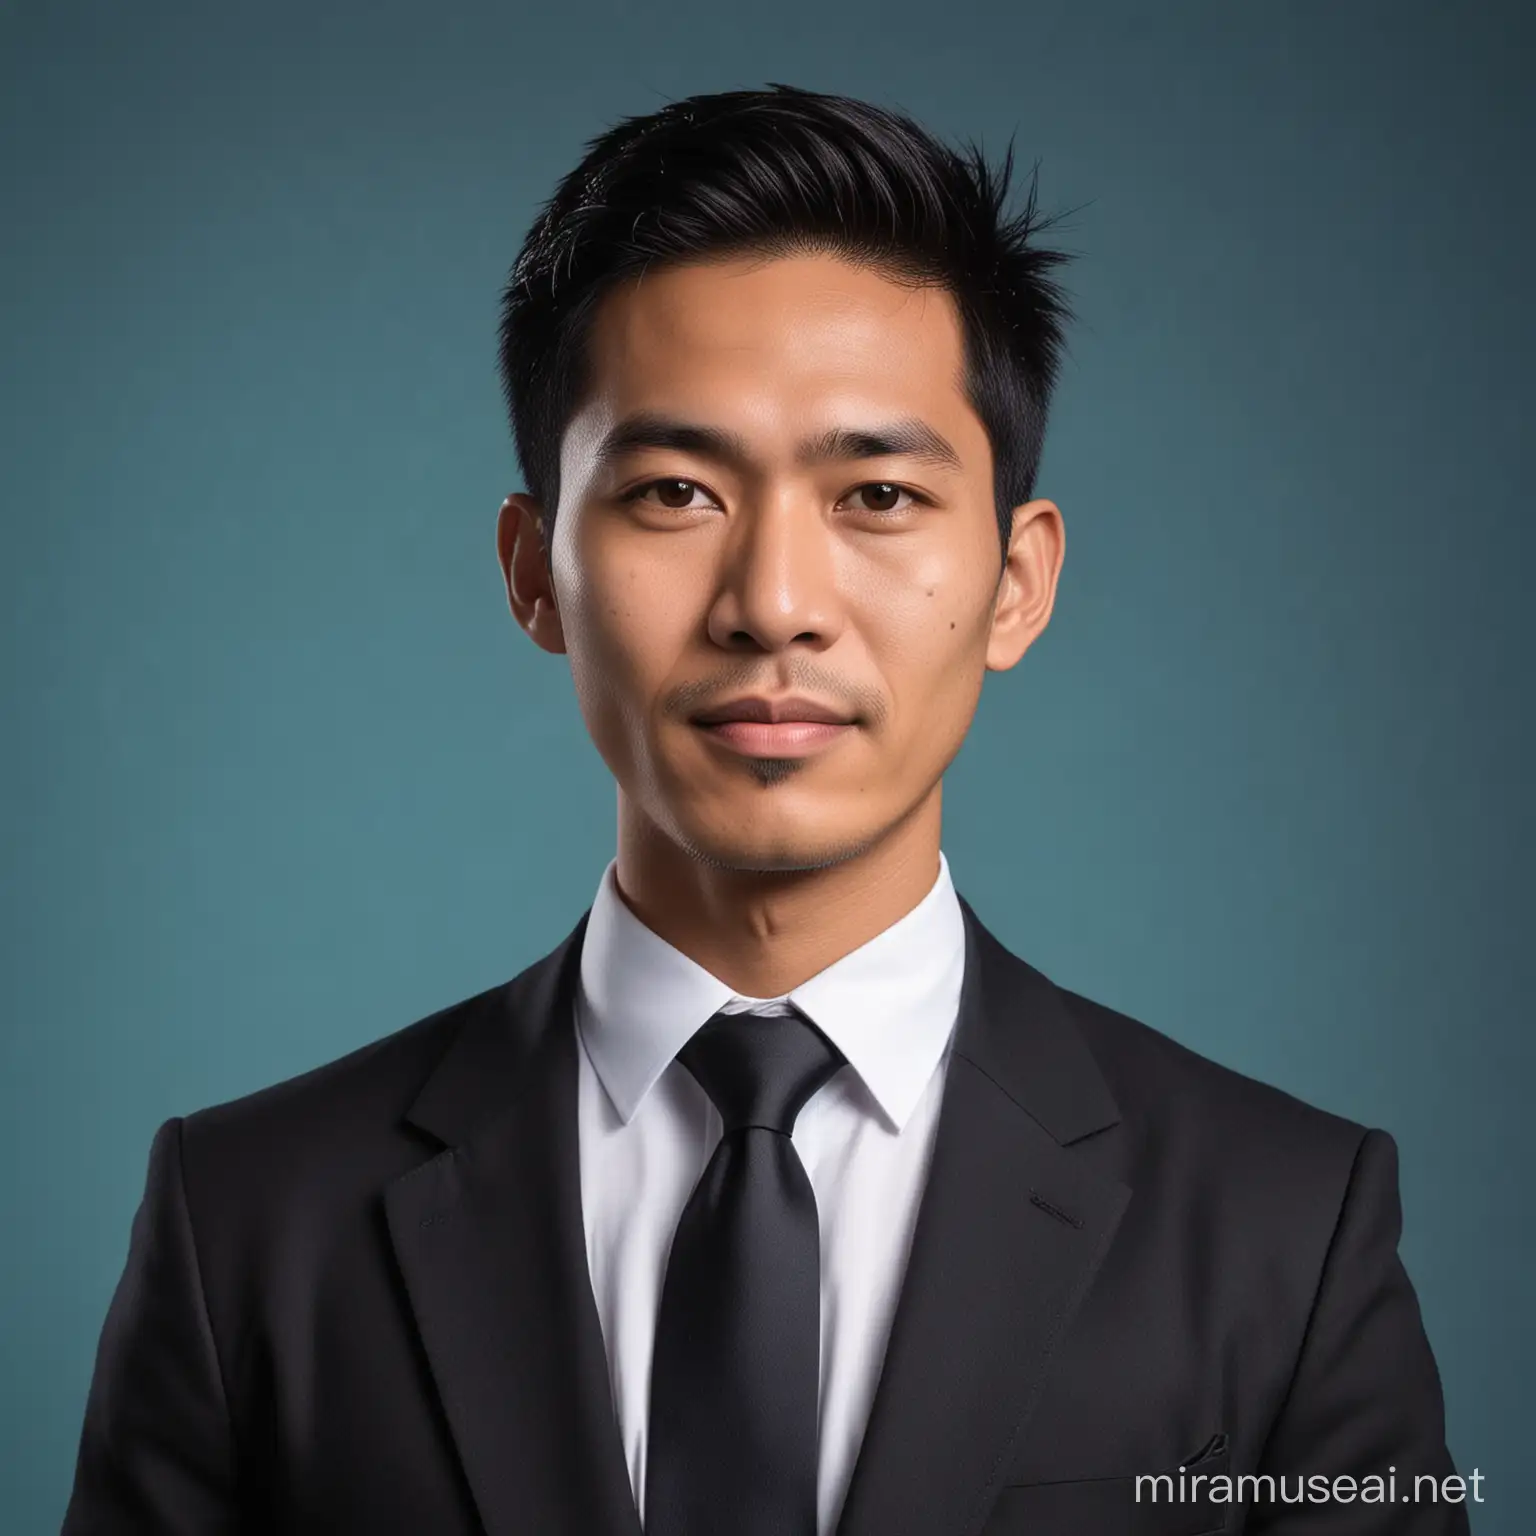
point(1117, 1506)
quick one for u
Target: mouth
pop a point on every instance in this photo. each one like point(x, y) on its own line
point(792, 726)
point(775, 738)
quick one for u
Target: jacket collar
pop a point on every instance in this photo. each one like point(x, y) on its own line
point(1015, 1027)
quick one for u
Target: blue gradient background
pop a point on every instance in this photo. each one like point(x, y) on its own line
point(280, 774)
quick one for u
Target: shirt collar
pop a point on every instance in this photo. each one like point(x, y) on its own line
point(889, 1006)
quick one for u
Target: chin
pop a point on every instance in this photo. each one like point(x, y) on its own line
point(771, 851)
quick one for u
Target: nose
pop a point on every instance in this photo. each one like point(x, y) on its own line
point(778, 579)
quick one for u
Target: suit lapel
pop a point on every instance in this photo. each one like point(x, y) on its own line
point(489, 1239)
point(1011, 1228)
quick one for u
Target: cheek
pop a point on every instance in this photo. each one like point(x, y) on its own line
point(928, 627)
point(624, 634)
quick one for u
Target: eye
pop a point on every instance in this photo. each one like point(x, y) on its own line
point(676, 495)
point(881, 496)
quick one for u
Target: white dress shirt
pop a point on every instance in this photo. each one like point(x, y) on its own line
point(646, 1130)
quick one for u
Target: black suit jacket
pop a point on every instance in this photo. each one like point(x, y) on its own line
point(359, 1301)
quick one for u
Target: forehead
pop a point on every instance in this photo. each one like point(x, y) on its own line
point(775, 340)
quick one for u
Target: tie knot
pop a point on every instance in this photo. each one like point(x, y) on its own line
point(760, 1069)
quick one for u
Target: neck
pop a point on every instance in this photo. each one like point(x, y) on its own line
point(764, 932)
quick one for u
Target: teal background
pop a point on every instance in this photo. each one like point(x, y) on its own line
point(280, 774)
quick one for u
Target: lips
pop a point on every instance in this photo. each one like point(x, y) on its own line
point(774, 712)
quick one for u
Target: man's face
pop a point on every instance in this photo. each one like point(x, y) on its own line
point(730, 525)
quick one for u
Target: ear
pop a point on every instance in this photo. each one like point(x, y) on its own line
point(525, 570)
point(1026, 592)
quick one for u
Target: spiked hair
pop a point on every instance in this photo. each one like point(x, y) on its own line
point(775, 172)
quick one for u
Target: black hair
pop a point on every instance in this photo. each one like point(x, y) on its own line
point(777, 172)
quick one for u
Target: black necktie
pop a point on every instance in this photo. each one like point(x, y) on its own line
point(735, 1367)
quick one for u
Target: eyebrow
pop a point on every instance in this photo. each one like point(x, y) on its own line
point(909, 437)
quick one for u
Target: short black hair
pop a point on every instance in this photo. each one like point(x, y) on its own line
point(777, 172)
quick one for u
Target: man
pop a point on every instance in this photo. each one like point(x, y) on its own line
point(780, 1199)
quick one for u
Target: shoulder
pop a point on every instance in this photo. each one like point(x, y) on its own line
point(292, 1156)
point(338, 1122)
point(1183, 1110)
